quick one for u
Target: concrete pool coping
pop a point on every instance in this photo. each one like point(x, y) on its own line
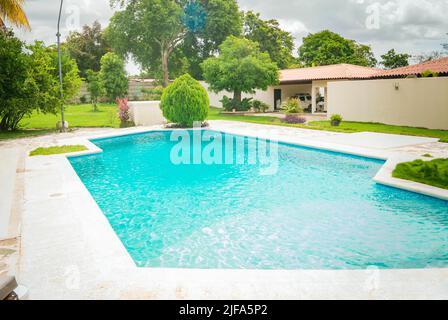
point(68, 239)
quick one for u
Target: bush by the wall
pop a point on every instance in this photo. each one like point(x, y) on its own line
point(292, 105)
point(185, 101)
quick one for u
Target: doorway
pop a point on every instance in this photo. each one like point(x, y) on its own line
point(277, 99)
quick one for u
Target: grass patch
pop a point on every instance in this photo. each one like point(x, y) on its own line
point(345, 126)
point(57, 150)
point(433, 173)
point(78, 116)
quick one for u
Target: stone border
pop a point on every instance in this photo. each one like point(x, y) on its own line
point(109, 272)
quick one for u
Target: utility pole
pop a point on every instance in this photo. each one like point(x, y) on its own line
point(60, 69)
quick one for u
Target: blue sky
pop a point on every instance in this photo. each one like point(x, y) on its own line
point(412, 26)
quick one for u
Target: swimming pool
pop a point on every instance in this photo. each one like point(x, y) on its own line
point(319, 210)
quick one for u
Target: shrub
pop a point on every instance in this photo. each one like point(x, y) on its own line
point(433, 172)
point(429, 74)
point(185, 101)
point(83, 99)
point(123, 112)
point(227, 103)
point(293, 119)
point(336, 119)
point(153, 94)
point(292, 105)
point(260, 106)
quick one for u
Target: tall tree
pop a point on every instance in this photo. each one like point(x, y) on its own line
point(392, 60)
point(95, 87)
point(222, 18)
point(113, 76)
point(272, 39)
point(240, 67)
point(87, 47)
point(27, 81)
point(326, 47)
point(12, 11)
point(148, 30)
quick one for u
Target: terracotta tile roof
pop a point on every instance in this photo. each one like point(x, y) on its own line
point(440, 66)
point(336, 71)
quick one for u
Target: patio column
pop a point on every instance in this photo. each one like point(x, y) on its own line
point(326, 98)
point(313, 99)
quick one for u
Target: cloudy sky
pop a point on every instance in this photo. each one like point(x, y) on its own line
point(412, 26)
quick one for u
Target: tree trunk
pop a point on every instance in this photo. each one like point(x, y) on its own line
point(237, 96)
point(165, 56)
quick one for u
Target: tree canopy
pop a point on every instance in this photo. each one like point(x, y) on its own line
point(27, 81)
point(392, 60)
point(326, 47)
point(149, 31)
point(279, 44)
point(87, 47)
point(113, 76)
point(12, 11)
point(240, 67)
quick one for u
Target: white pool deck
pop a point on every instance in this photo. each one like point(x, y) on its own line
point(69, 251)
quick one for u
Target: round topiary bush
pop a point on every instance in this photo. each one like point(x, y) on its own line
point(185, 101)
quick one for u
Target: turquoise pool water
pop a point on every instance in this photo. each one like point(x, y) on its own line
point(321, 210)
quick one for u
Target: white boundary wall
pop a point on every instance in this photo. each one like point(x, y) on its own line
point(146, 113)
point(419, 102)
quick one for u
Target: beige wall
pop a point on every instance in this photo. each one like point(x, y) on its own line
point(421, 102)
point(265, 96)
point(146, 113)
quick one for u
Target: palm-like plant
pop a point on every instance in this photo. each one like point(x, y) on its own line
point(12, 10)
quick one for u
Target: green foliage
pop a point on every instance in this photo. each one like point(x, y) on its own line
point(222, 19)
point(260, 106)
point(240, 67)
point(185, 101)
point(326, 47)
point(149, 30)
point(57, 150)
point(113, 76)
point(87, 47)
point(95, 87)
point(336, 118)
point(278, 43)
point(392, 60)
point(27, 81)
point(429, 74)
point(292, 105)
point(153, 94)
point(434, 173)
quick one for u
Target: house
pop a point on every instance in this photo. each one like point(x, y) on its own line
point(399, 96)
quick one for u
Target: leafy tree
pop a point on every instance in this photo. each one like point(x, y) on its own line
point(272, 39)
point(240, 67)
point(148, 30)
point(113, 76)
point(87, 47)
point(221, 19)
point(71, 81)
point(12, 10)
point(424, 57)
point(185, 101)
point(392, 60)
point(94, 87)
point(27, 81)
point(326, 47)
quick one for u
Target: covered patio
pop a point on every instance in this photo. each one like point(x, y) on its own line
point(310, 85)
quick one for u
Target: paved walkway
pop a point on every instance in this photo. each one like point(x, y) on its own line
point(67, 239)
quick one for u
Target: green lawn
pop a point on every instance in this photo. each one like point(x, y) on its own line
point(78, 116)
point(433, 172)
point(349, 127)
point(57, 150)
point(83, 116)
